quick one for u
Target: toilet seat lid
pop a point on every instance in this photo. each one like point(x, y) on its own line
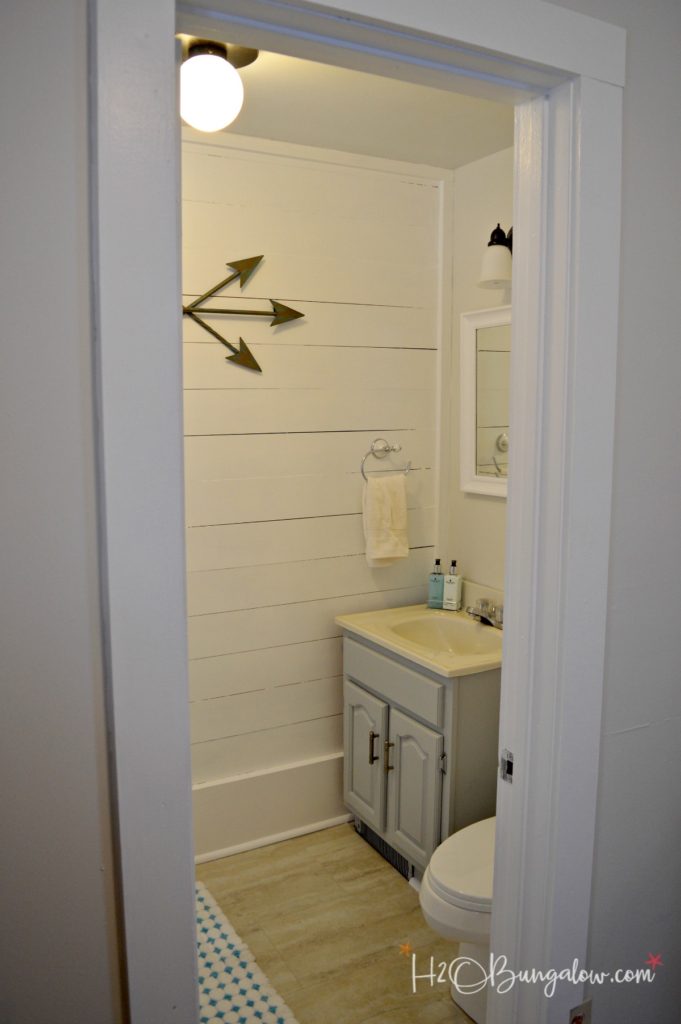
point(462, 868)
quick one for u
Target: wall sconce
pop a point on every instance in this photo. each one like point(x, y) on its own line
point(211, 90)
point(496, 268)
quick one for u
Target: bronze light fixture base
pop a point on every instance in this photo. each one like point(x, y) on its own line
point(238, 56)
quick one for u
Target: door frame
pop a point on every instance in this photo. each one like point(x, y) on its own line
point(565, 72)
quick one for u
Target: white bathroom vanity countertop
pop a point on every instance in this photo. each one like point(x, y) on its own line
point(448, 643)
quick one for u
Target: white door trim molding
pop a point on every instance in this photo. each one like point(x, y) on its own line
point(528, 43)
point(564, 333)
point(136, 270)
point(565, 300)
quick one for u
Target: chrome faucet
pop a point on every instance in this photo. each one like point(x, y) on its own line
point(488, 613)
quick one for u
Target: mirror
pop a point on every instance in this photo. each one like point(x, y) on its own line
point(484, 432)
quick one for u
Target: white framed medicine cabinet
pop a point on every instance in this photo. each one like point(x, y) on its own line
point(485, 352)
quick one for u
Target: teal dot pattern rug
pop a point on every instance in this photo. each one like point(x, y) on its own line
point(232, 988)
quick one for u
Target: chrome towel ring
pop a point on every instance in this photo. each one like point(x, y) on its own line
point(379, 449)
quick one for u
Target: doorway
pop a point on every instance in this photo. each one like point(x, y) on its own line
point(564, 394)
point(372, 226)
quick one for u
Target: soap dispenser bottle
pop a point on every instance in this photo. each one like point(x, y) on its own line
point(452, 589)
point(436, 582)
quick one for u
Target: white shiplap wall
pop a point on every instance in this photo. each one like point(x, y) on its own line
point(275, 547)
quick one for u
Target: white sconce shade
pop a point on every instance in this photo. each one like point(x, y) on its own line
point(211, 92)
point(496, 268)
point(497, 265)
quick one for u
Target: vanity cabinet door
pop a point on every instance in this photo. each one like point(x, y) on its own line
point(414, 788)
point(365, 724)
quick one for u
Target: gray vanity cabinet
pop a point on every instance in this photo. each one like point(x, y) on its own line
point(392, 773)
point(420, 750)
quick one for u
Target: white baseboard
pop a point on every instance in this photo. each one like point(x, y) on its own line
point(304, 830)
point(247, 811)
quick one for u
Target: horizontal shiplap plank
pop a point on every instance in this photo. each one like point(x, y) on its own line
point(263, 669)
point(287, 744)
point(231, 178)
point(323, 323)
point(289, 540)
point(214, 502)
point(205, 366)
point(316, 277)
point(230, 456)
point(390, 241)
point(256, 146)
point(258, 586)
point(243, 713)
point(253, 629)
point(274, 411)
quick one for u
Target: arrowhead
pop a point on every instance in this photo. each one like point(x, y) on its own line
point(282, 314)
point(245, 268)
point(244, 357)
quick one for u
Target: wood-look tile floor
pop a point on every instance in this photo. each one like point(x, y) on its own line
point(325, 917)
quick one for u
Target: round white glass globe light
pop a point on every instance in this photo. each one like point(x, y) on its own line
point(211, 92)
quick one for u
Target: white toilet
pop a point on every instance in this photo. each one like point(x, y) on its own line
point(456, 900)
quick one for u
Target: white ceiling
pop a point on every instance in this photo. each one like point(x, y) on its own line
point(312, 104)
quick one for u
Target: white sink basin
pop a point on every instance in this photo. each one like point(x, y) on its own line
point(447, 633)
point(449, 643)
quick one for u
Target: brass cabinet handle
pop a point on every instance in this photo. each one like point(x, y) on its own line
point(387, 766)
point(372, 736)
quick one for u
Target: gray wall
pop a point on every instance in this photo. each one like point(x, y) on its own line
point(637, 884)
point(59, 962)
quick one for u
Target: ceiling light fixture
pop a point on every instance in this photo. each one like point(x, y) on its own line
point(496, 268)
point(211, 90)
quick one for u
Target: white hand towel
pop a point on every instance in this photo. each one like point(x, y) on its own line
point(384, 504)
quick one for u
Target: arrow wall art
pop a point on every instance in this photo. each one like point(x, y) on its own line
point(279, 314)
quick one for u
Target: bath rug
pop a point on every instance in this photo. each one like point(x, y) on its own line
point(232, 988)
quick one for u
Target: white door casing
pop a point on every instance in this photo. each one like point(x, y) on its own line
point(566, 264)
point(564, 336)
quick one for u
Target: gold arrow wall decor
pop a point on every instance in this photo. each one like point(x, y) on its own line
point(280, 314)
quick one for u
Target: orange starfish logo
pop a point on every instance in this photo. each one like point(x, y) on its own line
point(406, 949)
